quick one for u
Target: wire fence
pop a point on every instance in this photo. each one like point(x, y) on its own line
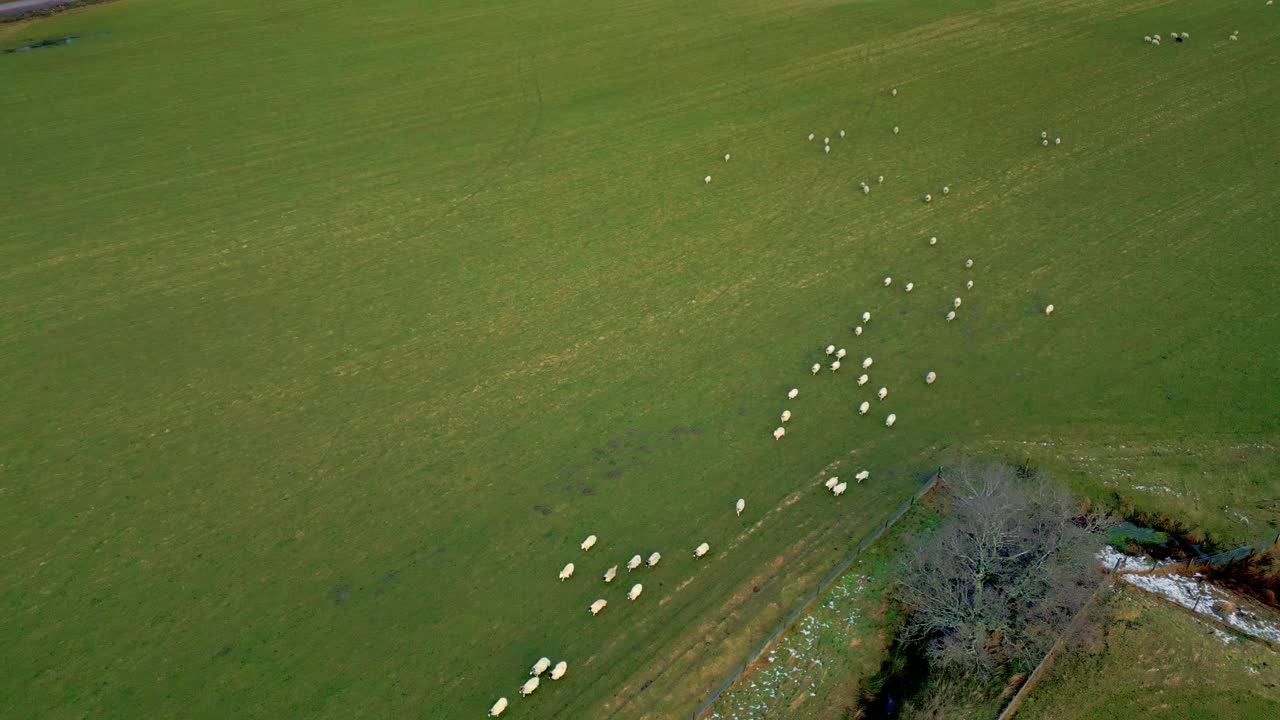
point(867, 540)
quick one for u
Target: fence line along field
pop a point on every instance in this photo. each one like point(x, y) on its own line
point(330, 330)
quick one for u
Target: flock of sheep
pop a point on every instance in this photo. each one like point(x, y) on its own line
point(833, 484)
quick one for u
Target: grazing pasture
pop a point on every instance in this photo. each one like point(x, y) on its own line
point(331, 329)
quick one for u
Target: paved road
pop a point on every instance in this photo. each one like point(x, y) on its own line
point(17, 7)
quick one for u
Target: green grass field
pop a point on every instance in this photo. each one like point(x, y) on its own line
point(330, 329)
point(1155, 660)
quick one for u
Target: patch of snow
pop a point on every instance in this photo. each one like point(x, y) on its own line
point(1226, 637)
point(1191, 593)
point(1108, 557)
point(1157, 489)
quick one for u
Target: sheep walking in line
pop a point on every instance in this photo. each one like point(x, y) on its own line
point(928, 198)
point(831, 483)
point(826, 141)
point(839, 489)
point(793, 393)
point(863, 475)
point(1046, 142)
point(1048, 309)
point(498, 707)
point(858, 331)
point(635, 591)
point(866, 190)
point(634, 562)
point(816, 367)
point(777, 434)
point(1057, 141)
point(597, 606)
point(866, 363)
point(726, 157)
point(1044, 134)
point(888, 281)
point(529, 686)
point(882, 393)
point(739, 506)
point(928, 379)
point(895, 129)
point(864, 407)
point(701, 550)
point(956, 302)
point(706, 180)
point(841, 133)
point(559, 670)
point(866, 317)
point(654, 559)
point(894, 92)
point(835, 366)
point(540, 666)
point(951, 316)
point(889, 421)
point(826, 149)
point(910, 286)
point(880, 180)
point(830, 349)
point(610, 574)
point(589, 542)
point(968, 285)
point(862, 379)
point(810, 137)
point(946, 189)
point(567, 572)
point(841, 353)
point(968, 263)
point(933, 240)
point(786, 415)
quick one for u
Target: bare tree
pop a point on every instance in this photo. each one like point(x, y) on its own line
point(1003, 575)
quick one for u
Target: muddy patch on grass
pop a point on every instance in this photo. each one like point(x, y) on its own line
point(617, 457)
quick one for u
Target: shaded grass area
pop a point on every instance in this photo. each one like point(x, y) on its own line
point(1154, 660)
point(330, 329)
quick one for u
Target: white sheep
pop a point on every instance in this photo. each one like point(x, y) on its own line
point(894, 92)
point(727, 156)
point(945, 189)
point(559, 670)
point(895, 129)
point(1156, 40)
point(928, 198)
point(793, 393)
point(951, 316)
point(1057, 141)
point(863, 475)
point(540, 666)
point(810, 137)
point(933, 240)
point(930, 378)
point(597, 606)
point(862, 379)
point(866, 190)
point(830, 349)
point(968, 263)
point(866, 317)
point(889, 421)
point(1044, 134)
point(786, 415)
point(956, 302)
point(826, 149)
point(654, 559)
point(968, 285)
point(635, 591)
point(910, 286)
point(841, 353)
point(866, 363)
point(882, 393)
point(858, 331)
point(706, 180)
point(567, 572)
point(826, 141)
point(835, 366)
point(532, 683)
point(831, 483)
point(634, 562)
point(880, 179)
point(888, 281)
point(864, 407)
point(1147, 39)
point(498, 707)
point(589, 542)
point(841, 133)
point(816, 367)
point(1048, 309)
point(610, 574)
point(701, 550)
point(777, 434)
point(1046, 142)
point(839, 489)
point(739, 506)
point(1187, 36)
